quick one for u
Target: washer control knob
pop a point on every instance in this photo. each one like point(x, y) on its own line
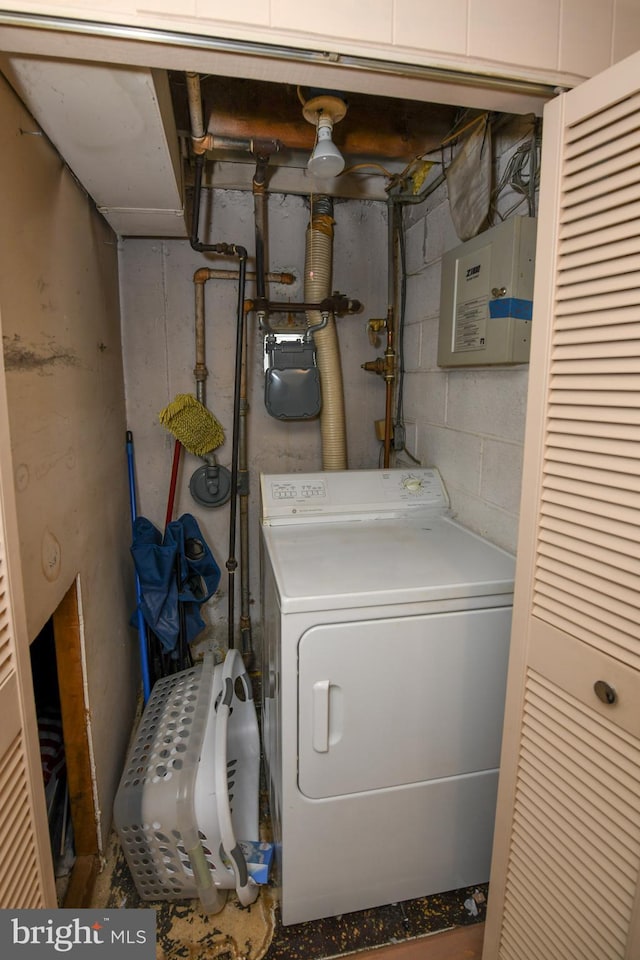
point(412, 484)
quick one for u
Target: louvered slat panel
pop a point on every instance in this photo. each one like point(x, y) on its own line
point(588, 398)
point(606, 183)
point(608, 518)
point(595, 561)
point(595, 155)
point(597, 461)
point(20, 876)
point(611, 416)
point(587, 455)
point(623, 343)
point(18, 855)
point(612, 169)
point(584, 427)
point(591, 322)
point(6, 646)
point(540, 863)
point(622, 243)
point(553, 797)
point(612, 299)
point(563, 536)
point(589, 131)
point(606, 266)
point(599, 228)
point(560, 886)
point(557, 572)
point(575, 290)
point(592, 440)
point(604, 237)
point(576, 481)
point(611, 204)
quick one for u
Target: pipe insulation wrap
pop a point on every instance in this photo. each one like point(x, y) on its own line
point(317, 286)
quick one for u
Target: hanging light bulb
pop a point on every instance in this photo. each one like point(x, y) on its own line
point(325, 160)
point(324, 111)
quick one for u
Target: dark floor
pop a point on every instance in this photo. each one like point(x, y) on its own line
point(376, 927)
point(255, 932)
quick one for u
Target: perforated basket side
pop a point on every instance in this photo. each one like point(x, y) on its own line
point(153, 812)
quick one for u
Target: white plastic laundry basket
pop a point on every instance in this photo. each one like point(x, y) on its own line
point(189, 791)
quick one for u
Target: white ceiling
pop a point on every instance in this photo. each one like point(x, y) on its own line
point(114, 127)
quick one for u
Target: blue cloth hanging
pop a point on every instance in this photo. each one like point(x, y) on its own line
point(177, 575)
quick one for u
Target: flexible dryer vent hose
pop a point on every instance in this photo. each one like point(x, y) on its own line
point(317, 286)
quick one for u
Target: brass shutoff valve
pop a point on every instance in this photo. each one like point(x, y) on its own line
point(375, 366)
point(373, 329)
point(385, 366)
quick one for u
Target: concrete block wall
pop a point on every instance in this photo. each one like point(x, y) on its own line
point(469, 423)
point(157, 296)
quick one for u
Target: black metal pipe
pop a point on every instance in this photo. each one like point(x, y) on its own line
point(337, 303)
point(225, 249)
point(232, 563)
point(234, 250)
point(259, 210)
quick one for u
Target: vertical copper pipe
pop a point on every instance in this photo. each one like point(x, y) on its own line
point(200, 371)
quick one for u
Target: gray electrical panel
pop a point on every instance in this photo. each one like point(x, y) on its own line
point(487, 297)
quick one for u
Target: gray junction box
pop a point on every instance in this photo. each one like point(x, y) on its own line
point(487, 297)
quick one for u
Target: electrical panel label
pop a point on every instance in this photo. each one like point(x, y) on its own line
point(473, 276)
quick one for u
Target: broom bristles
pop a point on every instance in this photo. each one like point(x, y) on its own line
point(192, 424)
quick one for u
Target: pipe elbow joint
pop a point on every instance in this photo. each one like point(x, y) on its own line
point(200, 145)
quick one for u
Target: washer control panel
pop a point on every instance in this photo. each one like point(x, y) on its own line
point(351, 494)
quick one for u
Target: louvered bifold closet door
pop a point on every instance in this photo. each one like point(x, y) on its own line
point(26, 873)
point(567, 852)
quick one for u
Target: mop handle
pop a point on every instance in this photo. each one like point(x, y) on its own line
point(142, 627)
point(172, 485)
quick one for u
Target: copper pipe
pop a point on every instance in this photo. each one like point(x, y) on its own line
point(200, 277)
point(204, 274)
point(194, 94)
point(200, 370)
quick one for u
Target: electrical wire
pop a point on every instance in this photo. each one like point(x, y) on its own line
point(366, 166)
point(521, 175)
point(399, 418)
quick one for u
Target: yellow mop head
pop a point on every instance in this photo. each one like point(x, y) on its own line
point(192, 424)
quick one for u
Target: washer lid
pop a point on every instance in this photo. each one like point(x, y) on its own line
point(375, 562)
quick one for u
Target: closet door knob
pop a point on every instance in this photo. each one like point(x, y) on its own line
point(605, 692)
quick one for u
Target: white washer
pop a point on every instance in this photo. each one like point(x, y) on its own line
point(386, 642)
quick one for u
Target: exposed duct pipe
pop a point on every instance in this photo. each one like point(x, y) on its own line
point(225, 249)
point(200, 277)
point(317, 285)
point(202, 140)
point(194, 96)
